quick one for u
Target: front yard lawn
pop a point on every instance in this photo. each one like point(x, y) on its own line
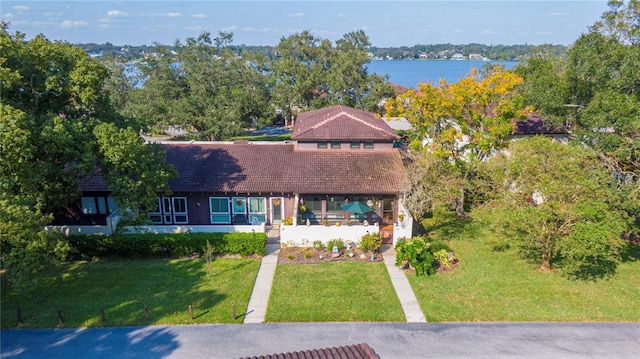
point(123, 288)
point(493, 284)
point(333, 292)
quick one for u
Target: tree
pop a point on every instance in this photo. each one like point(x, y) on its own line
point(458, 125)
point(310, 73)
point(53, 101)
point(558, 203)
point(204, 86)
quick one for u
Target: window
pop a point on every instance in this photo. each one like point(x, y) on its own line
point(180, 210)
point(257, 210)
point(322, 144)
point(98, 205)
point(368, 144)
point(335, 144)
point(334, 204)
point(89, 205)
point(170, 210)
point(239, 210)
point(219, 210)
point(355, 144)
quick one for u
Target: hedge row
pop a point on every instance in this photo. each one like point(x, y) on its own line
point(173, 245)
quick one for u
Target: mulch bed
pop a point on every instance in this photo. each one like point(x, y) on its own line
point(304, 255)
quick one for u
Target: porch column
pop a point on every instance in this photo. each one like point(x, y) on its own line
point(295, 209)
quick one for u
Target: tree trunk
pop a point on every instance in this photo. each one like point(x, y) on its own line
point(459, 206)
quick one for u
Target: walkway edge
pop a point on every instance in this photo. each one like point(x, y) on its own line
point(412, 311)
point(257, 308)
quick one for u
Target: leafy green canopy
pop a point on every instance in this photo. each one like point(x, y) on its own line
point(203, 85)
point(595, 92)
point(56, 127)
point(559, 206)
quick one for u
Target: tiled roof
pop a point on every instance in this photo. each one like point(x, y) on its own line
point(277, 168)
point(355, 351)
point(534, 125)
point(341, 123)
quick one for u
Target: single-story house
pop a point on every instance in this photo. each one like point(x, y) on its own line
point(337, 156)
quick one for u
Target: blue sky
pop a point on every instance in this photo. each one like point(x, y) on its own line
point(387, 23)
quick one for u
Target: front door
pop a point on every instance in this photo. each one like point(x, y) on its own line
point(277, 209)
point(386, 224)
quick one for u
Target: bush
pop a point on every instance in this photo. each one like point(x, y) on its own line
point(317, 244)
point(416, 253)
point(371, 242)
point(336, 242)
point(148, 245)
point(437, 246)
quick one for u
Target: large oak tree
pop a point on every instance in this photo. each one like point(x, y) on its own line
point(57, 126)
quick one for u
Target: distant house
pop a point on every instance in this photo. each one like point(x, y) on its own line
point(338, 155)
point(535, 126)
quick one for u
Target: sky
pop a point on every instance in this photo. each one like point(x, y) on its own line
point(387, 23)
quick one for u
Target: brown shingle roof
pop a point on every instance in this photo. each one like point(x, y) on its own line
point(341, 123)
point(534, 125)
point(277, 168)
point(354, 351)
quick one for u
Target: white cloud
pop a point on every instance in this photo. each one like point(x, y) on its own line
point(117, 13)
point(77, 23)
point(200, 16)
point(52, 14)
point(544, 33)
point(229, 28)
point(488, 32)
point(298, 14)
point(8, 16)
point(557, 13)
point(343, 15)
point(21, 8)
point(194, 28)
point(168, 14)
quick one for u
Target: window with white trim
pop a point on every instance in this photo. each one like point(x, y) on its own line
point(170, 210)
point(257, 210)
point(239, 206)
point(219, 210)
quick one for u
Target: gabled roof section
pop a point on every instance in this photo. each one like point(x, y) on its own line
point(341, 123)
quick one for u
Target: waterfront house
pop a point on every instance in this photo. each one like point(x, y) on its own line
point(336, 156)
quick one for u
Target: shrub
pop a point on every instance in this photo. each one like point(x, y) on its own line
point(287, 221)
point(416, 253)
point(317, 244)
point(437, 246)
point(336, 242)
point(442, 256)
point(149, 245)
point(371, 242)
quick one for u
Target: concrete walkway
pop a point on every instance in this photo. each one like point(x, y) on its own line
point(410, 306)
point(259, 299)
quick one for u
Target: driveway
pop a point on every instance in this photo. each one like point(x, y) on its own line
point(389, 340)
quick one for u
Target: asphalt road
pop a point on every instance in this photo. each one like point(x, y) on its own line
point(389, 340)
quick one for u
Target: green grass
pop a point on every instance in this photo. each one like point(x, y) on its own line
point(333, 292)
point(491, 285)
point(123, 288)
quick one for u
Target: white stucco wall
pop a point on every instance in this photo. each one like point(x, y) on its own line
point(194, 229)
point(303, 235)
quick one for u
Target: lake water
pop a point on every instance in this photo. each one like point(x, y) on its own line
point(409, 73)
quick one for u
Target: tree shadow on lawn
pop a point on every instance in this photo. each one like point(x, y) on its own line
point(126, 290)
